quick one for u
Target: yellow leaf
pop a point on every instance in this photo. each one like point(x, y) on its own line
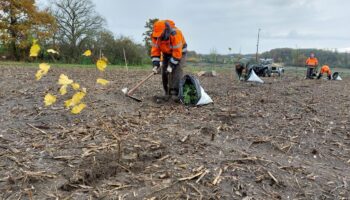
point(34, 50)
point(77, 109)
point(101, 64)
point(102, 81)
point(75, 86)
point(87, 53)
point(44, 67)
point(49, 99)
point(63, 89)
point(68, 103)
point(39, 74)
point(64, 80)
point(77, 97)
point(52, 51)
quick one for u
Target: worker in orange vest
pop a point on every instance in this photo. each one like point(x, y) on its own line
point(311, 64)
point(168, 40)
point(325, 69)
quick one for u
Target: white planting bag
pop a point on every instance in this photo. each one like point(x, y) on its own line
point(205, 98)
point(254, 78)
point(200, 97)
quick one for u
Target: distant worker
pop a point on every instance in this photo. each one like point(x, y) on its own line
point(167, 40)
point(325, 69)
point(241, 67)
point(311, 64)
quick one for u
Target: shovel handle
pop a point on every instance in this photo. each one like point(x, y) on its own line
point(132, 90)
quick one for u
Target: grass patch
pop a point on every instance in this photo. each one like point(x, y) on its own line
point(190, 67)
point(64, 65)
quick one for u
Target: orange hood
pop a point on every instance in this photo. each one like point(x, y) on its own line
point(160, 25)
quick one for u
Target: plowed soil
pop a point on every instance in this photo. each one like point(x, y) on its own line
point(286, 139)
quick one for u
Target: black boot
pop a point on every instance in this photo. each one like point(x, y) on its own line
point(174, 93)
point(162, 98)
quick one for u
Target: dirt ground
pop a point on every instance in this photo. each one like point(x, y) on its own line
point(286, 139)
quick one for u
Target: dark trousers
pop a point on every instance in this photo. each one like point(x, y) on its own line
point(310, 72)
point(328, 76)
point(171, 82)
point(239, 70)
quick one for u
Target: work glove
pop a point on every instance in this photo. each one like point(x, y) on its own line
point(173, 64)
point(156, 66)
point(156, 70)
point(169, 69)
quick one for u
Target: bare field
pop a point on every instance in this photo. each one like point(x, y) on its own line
point(286, 139)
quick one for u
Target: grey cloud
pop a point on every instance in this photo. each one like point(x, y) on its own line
point(221, 24)
point(295, 35)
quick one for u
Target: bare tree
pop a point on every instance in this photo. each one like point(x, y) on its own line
point(77, 22)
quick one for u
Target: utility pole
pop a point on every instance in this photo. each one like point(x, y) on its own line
point(257, 46)
point(296, 61)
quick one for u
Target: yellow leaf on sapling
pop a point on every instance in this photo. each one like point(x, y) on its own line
point(64, 80)
point(52, 51)
point(101, 64)
point(102, 81)
point(39, 74)
point(44, 67)
point(76, 99)
point(78, 108)
point(87, 53)
point(34, 50)
point(75, 86)
point(43, 70)
point(49, 99)
point(63, 89)
point(68, 103)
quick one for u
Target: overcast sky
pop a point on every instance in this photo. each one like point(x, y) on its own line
point(220, 24)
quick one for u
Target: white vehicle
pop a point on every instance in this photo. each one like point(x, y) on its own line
point(272, 68)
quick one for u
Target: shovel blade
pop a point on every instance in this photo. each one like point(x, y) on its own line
point(135, 98)
point(125, 92)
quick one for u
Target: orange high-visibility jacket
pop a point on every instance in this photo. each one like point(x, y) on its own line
point(311, 62)
point(325, 69)
point(174, 46)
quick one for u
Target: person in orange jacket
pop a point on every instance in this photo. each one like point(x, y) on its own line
point(311, 63)
point(325, 69)
point(168, 42)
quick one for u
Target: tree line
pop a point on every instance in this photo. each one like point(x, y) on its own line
point(297, 57)
point(287, 56)
point(68, 26)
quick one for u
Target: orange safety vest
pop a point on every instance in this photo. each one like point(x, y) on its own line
point(312, 62)
point(175, 45)
point(325, 69)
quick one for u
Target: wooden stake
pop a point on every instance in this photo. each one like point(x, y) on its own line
point(126, 63)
